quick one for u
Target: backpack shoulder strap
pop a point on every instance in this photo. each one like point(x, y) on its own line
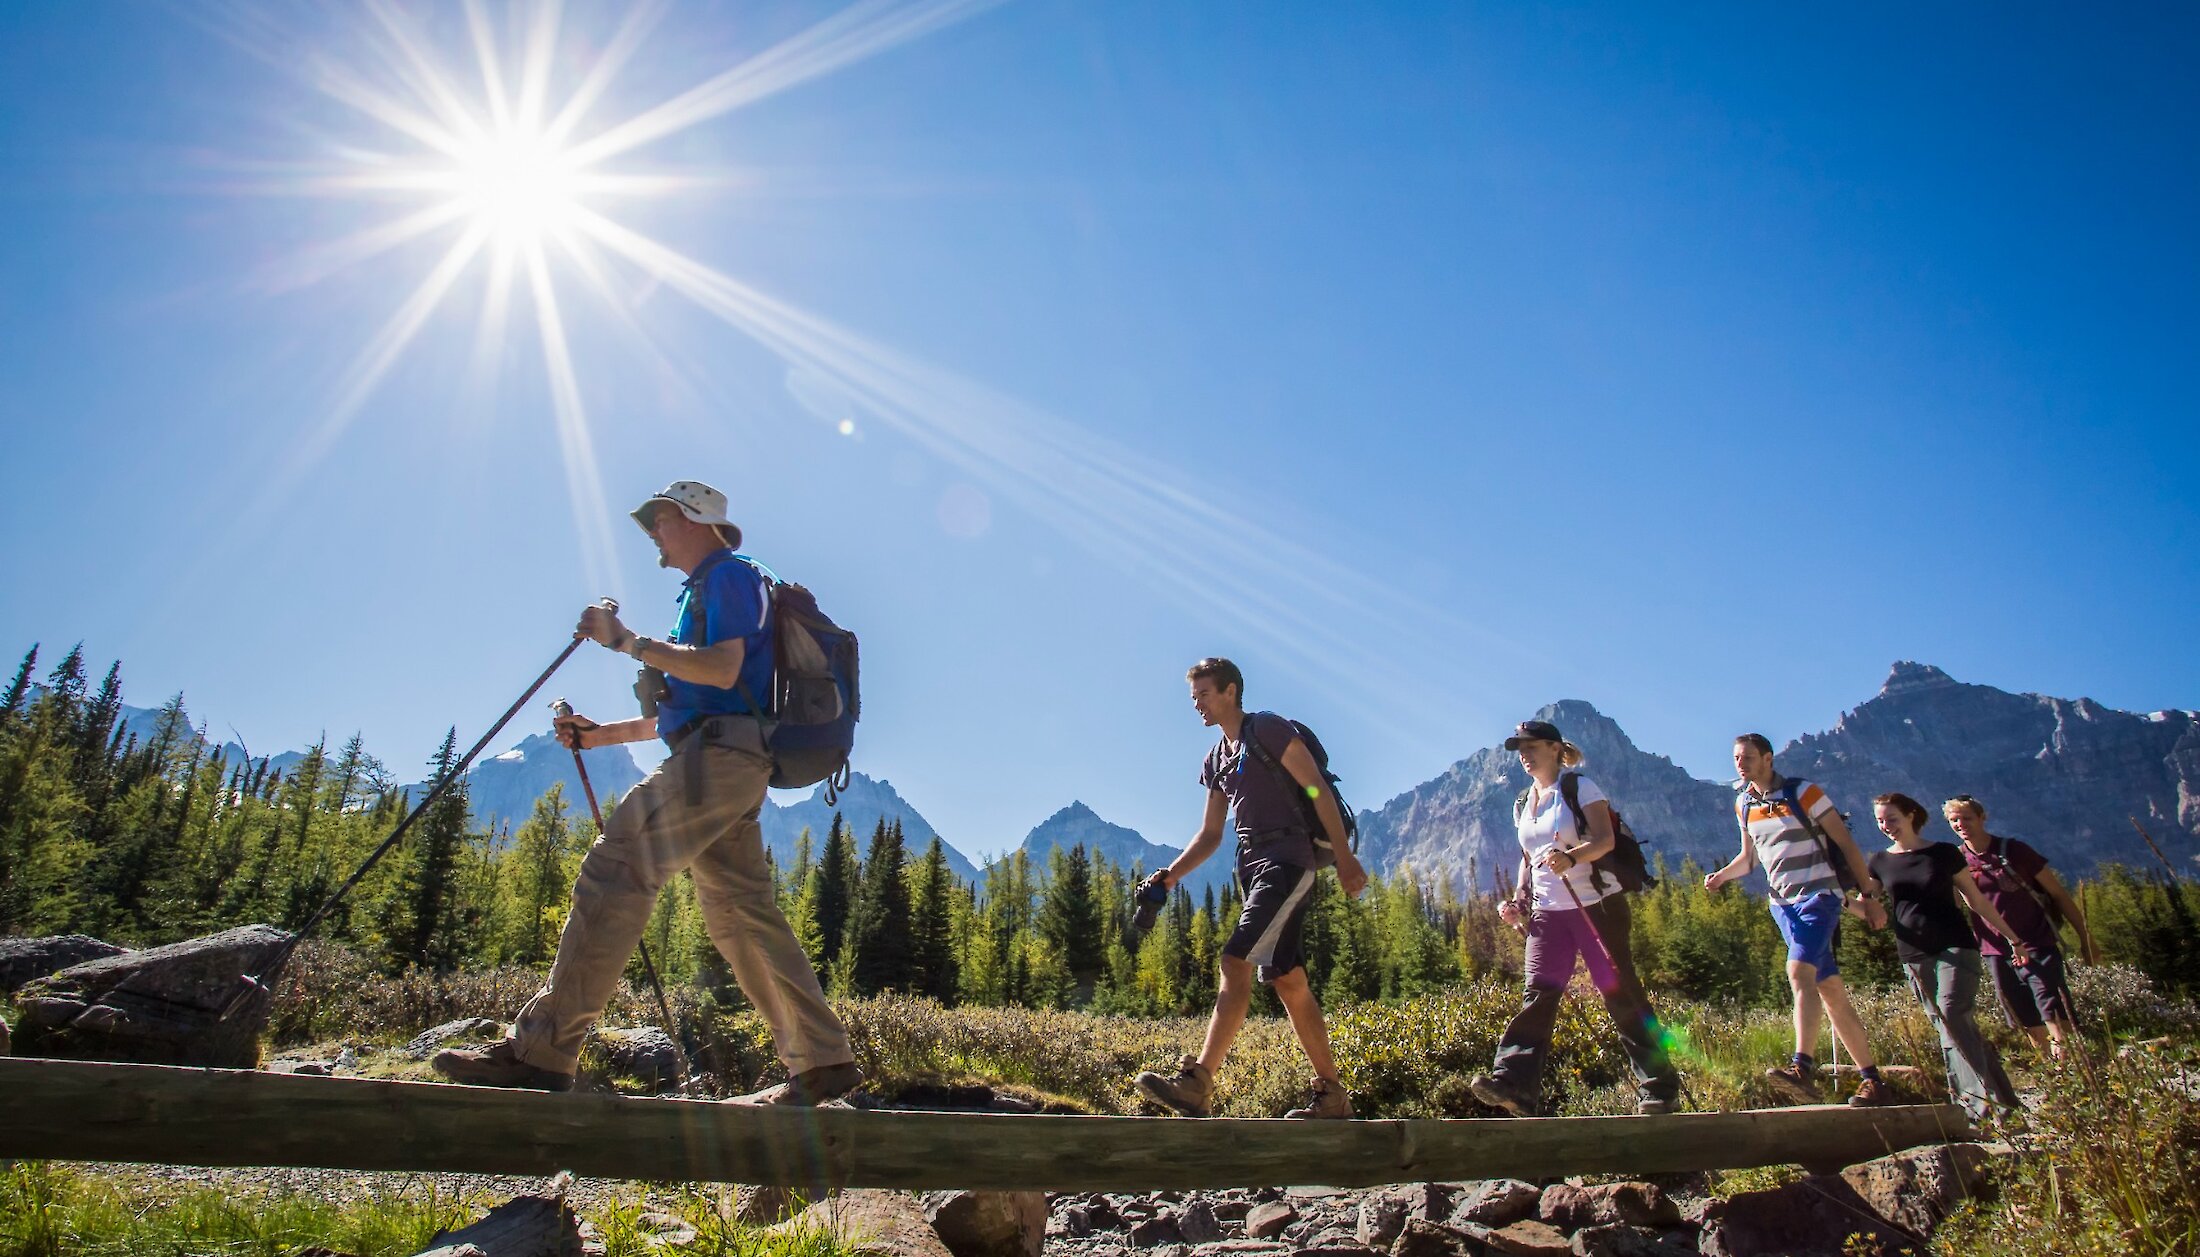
point(1249, 738)
point(1792, 796)
point(1569, 789)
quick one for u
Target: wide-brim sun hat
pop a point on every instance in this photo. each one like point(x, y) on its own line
point(697, 501)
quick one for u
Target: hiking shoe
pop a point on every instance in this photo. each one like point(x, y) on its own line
point(1330, 1099)
point(1190, 1090)
point(1654, 1106)
point(1794, 1083)
point(1499, 1094)
point(1871, 1093)
point(497, 1065)
point(809, 1088)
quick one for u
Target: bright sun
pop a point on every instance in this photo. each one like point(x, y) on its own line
point(517, 185)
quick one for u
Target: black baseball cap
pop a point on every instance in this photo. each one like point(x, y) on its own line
point(1533, 731)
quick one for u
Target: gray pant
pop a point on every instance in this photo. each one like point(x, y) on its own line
point(1946, 982)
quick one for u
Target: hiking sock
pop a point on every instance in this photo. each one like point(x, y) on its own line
point(1869, 1073)
point(1804, 1062)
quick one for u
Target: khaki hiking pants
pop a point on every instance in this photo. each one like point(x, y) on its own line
point(708, 826)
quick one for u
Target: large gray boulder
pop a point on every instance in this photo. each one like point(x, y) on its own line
point(22, 959)
point(643, 1053)
point(161, 1006)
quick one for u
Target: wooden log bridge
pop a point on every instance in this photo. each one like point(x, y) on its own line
point(80, 1111)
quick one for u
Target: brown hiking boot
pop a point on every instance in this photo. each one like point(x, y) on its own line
point(497, 1065)
point(1330, 1099)
point(809, 1088)
point(1190, 1090)
point(1499, 1094)
point(1794, 1083)
point(1871, 1093)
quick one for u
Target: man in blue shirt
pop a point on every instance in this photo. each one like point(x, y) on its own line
point(697, 811)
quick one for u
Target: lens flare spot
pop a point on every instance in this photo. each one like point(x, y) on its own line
point(847, 427)
point(966, 513)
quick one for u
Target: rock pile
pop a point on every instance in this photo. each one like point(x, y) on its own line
point(1896, 1200)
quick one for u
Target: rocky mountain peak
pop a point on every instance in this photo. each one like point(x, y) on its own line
point(1584, 725)
point(1910, 677)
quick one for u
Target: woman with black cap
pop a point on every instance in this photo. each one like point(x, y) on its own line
point(1571, 910)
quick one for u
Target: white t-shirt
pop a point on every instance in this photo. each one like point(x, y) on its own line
point(1545, 820)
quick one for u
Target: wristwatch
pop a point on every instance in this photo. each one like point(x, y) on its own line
point(635, 644)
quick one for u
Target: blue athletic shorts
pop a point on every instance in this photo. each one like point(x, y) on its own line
point(1811, 929)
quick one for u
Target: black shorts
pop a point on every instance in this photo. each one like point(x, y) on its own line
point(2032, 995)
point(1270, 926)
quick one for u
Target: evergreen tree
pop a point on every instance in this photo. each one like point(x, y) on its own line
point(832, 892)
point(880, 928)
point(932, 925)
point(798, 901)
point(1355, 968)
point(11, 704)
point(537, 886)
point(1069, 919)
point(423, 919)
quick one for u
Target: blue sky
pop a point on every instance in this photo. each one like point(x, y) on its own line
point(1696, 363)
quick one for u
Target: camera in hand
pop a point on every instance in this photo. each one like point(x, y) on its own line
point(1152, 897)
point(650, 689)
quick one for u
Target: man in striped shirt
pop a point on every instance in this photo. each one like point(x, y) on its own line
point(1795, 832)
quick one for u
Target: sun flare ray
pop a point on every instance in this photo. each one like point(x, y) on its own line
point(858, 32)
point(522, 176)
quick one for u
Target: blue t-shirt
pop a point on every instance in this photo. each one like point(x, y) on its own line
point(726, 598)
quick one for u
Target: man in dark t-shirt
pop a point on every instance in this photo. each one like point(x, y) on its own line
point(1276, 867)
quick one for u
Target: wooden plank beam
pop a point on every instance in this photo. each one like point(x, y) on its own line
point(82, 1111)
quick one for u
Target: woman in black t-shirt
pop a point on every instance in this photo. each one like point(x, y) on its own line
point(1922, 881)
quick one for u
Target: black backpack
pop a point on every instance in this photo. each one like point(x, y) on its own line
point(1624, 865)
point(1325, 854)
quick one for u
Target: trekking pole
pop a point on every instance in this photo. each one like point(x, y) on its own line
point(256, 984)
point(2151, 847)
point(562, 708)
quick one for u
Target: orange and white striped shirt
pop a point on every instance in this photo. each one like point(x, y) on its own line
point(1795, 862)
